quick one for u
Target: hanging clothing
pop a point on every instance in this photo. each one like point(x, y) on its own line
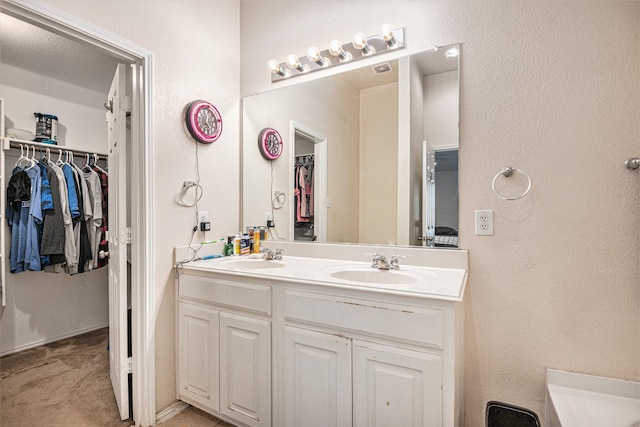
point(95, 223)
point(53, 230)
point(303, 191)
point(71, 190)
point(79, 225)
point(24, 221)
point(57, 213)
point(104, 244)
point(70, 250)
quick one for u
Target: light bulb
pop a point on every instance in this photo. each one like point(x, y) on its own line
point(360, 42)
point(335, 49)
point(292, 61)
point(275, 68)
point(314, 55)
point(273, 65)
point(387, 34)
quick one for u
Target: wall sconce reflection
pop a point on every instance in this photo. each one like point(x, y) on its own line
point(338, 53)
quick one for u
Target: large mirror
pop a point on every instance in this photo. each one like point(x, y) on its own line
point(369, 155)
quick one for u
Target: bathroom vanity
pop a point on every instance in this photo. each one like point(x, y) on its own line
point(309, 341)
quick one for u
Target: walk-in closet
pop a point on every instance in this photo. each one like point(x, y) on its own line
point(50, 300)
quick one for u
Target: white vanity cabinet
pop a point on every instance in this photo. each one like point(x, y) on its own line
point(383, 359)
point(396, 386)
point(317, 379)
point(224, 348)
point(260, 350)
point(198, 355)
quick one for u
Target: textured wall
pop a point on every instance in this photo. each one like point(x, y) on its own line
point(195, 46)
point(552, 87)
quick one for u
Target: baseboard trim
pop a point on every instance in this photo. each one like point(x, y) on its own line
point(170, 412)
point(54, 339)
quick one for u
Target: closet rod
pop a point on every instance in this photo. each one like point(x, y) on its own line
point(15, 143)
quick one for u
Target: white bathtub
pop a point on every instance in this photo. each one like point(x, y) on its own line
point(579, 400)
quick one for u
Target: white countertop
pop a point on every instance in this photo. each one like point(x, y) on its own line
point(425, 282)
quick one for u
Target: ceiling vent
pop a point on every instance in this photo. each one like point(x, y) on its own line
point(385, 67)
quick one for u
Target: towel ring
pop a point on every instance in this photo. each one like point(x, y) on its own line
point(507, 172)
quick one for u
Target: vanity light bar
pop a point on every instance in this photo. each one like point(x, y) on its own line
point(338, 53)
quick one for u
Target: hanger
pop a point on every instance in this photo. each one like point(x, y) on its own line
point(24, 161)
point(87, 163)
point(95, 164)
point(59, 162)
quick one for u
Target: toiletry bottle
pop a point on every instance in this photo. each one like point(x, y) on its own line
point(256, 241)
point(252, 240)
point(228, 247)
point(236, 244)
point(244, 245)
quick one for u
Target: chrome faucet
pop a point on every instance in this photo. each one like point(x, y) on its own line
point(269, 255)
point(380, 262)
point(394, 264)
point(278, 254)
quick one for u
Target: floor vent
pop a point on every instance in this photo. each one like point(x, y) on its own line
point(504, 415)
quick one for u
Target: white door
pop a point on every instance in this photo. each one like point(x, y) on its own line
point(396, 387)
point(317, 378)
point(119, 364)
point(428, 195)
point(245, 369)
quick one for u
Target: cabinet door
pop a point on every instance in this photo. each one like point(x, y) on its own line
point(198, 361)
point(245, 369)
point(317, 370)
point(396, 387)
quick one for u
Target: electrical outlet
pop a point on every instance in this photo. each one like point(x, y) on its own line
point(267, 217)
point(484, 222)
point(203, 216)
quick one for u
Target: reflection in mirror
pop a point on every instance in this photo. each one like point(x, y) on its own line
point(370, 155)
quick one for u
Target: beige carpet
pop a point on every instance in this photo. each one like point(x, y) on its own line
point(66, 383)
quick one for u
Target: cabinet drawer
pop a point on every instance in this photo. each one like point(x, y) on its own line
point(229, 293)
point(415, 324)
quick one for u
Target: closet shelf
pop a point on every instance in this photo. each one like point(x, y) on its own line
point(8, 143)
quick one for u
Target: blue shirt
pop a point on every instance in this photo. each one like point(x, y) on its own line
point(25, 251)
point(71, 189)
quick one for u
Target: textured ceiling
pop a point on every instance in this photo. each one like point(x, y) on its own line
point(28, 47)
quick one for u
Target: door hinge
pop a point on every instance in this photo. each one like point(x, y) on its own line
point(128, 366)
point(125, 103)
point(125, 236)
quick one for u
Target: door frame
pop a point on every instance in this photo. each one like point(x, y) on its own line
point(142, 218)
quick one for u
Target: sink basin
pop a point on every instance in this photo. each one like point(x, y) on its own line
point(251, 264)
point(370, 275)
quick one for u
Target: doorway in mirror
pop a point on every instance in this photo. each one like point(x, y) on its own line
point(309, 184)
